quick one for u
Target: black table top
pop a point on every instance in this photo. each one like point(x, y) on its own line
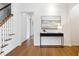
point(51, 34)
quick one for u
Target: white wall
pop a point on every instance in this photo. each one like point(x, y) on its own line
point(16, 17)
point(21, 23)
point(48, 9)
point(74, 17)
point(42, 10)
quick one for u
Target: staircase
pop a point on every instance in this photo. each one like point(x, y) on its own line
point(7, 35)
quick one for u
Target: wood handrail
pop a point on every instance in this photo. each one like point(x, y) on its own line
point(5, 20)
point(5, 6)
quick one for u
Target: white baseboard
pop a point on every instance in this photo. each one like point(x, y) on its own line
point(67, 45)
point(19, 44)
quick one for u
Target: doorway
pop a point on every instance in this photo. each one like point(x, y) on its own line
point(28, 24)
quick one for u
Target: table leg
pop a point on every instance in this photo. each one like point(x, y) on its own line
point(40, 41)
point(62, 41)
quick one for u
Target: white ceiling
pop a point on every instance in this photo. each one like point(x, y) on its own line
point(71, 5)
point(65, 5)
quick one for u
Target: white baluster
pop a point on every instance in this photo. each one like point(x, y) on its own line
point(4, 44)
point(1, 40)
point(3, 35)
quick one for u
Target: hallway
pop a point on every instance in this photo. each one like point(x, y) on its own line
point(27, 49)
point(50, 25)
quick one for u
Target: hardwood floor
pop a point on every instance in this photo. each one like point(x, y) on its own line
point(27, 49)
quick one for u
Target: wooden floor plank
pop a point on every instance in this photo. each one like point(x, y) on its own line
point(27, 49)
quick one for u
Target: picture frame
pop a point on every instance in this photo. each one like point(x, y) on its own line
point(50, 22)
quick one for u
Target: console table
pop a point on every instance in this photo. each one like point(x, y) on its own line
point(52, 35)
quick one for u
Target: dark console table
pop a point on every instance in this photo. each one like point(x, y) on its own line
point(52, 35)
